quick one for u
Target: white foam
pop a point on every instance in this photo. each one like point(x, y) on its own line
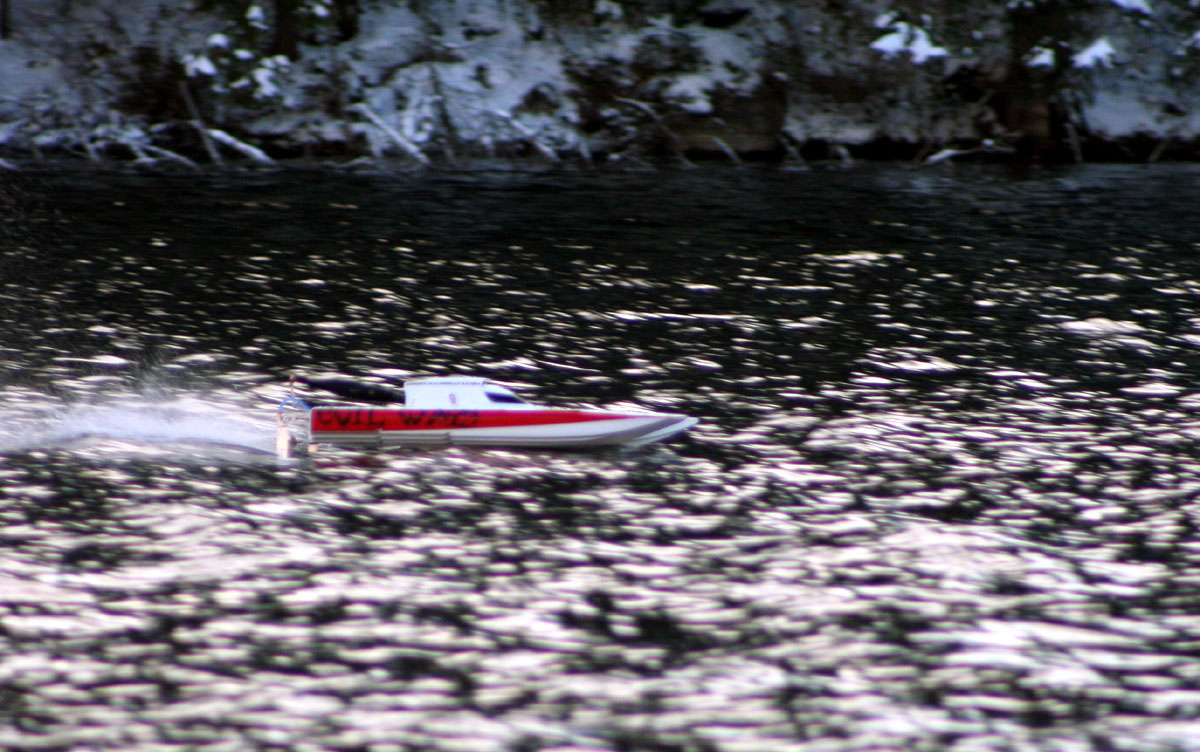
point(194, 420)
point(1100, 326)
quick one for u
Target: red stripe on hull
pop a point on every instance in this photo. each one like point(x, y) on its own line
point(355, 419)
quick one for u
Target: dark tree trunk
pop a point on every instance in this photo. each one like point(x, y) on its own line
point(1026, 98)
point(345, 16)
point(5, 29)
point(286, 40)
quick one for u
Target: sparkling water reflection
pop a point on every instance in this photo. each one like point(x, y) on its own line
point(942, 495)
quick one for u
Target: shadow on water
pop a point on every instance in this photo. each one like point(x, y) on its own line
point(942, 495)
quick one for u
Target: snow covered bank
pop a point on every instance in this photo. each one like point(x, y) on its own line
point(599, 80)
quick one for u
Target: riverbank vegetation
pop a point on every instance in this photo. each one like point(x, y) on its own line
point(598, 81)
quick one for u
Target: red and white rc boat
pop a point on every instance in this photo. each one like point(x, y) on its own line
point(463, 411)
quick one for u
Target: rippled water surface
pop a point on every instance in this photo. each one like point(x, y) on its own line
point(942, 495)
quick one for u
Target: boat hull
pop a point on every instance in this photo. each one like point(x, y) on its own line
point(384, 427)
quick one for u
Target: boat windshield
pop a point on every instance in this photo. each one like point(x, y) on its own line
point(504, 398)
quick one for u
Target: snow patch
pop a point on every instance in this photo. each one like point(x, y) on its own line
point(607, 10)
point(904, 37)
point(1040, 57)
point(480, 85)
point(257, 17)
point(1098, 54)
point(264, 78)
point(1125, 106)
point(1137, 6)
point(198, 65)
point(724, 64)
point(26, 73)
point(690, 92)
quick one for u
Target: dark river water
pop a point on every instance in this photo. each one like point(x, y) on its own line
point(943, 494)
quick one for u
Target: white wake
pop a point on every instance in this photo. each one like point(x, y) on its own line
point(203, 424)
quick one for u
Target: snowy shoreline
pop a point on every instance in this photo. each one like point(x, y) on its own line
point(589, 82)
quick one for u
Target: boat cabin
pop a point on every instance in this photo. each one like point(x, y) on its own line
point(460, 393)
